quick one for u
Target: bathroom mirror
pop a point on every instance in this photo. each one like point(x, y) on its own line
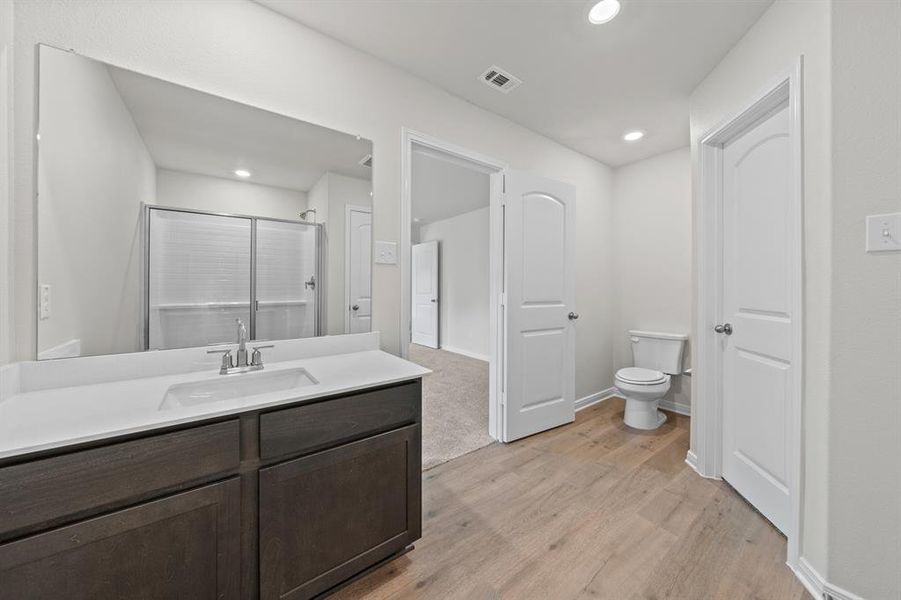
point(165, 214)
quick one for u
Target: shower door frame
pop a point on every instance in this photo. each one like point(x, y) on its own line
point(253, 307)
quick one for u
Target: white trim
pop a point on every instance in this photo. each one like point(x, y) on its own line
point(462, 352)
point(812, 581)
point(817, 585)
point(349, 208)
point(410, 137)
point(595, 398)
point(707, 392)
point(676, 407)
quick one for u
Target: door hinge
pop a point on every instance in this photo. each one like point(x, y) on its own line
point(502, 299)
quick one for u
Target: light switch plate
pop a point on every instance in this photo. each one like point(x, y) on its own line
point(386, 253)
point(884, 232)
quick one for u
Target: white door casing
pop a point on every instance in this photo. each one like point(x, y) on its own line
point(538, 297)
point(358, 266)
point(757, 304)
point(425, 300)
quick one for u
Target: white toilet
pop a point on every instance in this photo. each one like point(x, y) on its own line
point(657, 357)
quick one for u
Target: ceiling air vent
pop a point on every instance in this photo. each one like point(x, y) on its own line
point(495, 77)
point(366, 161)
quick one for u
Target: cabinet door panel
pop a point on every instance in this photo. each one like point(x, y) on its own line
point(328, 516)
point(183, 546)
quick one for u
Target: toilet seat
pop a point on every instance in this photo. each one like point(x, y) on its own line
point(640, 376)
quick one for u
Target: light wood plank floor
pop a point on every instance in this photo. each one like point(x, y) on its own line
point(589, 510)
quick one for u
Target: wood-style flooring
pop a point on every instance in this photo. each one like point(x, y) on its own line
point(589, 510)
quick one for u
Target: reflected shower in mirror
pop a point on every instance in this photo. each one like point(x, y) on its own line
point(165, 214)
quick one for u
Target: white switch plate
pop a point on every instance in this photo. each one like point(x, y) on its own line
point(386, 253)
point(884, 232)
point(44, 302)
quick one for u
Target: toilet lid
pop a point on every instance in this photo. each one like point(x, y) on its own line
point(640, 376)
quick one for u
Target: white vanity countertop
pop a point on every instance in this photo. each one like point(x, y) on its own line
point(37, 420)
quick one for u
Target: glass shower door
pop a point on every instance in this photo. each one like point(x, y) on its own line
point(198, 278)
point(287, 280)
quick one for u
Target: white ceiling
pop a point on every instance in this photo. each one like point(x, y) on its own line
point(584, 85)
point(444, 187)
point(188, 130)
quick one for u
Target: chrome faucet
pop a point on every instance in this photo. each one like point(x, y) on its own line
point(240, 364)
point(241, 358)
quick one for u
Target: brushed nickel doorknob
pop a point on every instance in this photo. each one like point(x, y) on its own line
point(573, 316)
point(725, 328)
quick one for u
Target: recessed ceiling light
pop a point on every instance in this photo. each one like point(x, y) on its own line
point(633, 136)
point(242, 172)
point(603, 12)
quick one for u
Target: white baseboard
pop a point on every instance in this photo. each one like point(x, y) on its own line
point(594, 398)
point(474, 355)
point(809, 578)
point(691, 459)
point(676, 407)
point(817, 585)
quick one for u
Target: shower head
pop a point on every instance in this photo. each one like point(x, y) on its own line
point(303, 215)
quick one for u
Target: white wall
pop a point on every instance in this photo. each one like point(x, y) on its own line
point(865, 396)
point(270, 65)
point(788, 30)
point(463, 285)
point(217, 194)
point(6, 188)
point(331, 194)
point(93, 174)
point(652, 250)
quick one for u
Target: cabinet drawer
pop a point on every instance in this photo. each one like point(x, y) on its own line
point(46, 492)
point(327, 516)
point(316, 426)
point(181, 546)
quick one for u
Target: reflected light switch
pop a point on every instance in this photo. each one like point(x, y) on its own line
point(386, 253)
point(884, 232)
point(44, 302)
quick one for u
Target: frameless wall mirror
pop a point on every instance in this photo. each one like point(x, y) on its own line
point(165, 214)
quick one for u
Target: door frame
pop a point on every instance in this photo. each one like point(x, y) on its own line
point(706, 456)
point(409, 138)
point(349, 208)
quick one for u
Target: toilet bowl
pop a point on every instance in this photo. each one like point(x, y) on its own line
point(642, 389)
point(657, 358)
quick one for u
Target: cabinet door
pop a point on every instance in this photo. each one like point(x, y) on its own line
point(183, 546)
point(328, 516)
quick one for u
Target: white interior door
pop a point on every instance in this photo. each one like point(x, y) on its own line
point(757, 299)
point(425, 299)
point(359, 266)
point(539, 286)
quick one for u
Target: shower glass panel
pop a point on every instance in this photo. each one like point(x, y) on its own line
point(198, 278)
point(287, 280)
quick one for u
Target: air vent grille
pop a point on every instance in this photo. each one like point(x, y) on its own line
point(499, 79)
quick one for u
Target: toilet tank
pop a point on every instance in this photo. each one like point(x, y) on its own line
point(658, 351)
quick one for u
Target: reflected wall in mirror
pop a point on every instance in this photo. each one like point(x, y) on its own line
point(166, 213)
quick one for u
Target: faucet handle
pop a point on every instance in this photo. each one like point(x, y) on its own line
point(256, 359)
point(226, 359)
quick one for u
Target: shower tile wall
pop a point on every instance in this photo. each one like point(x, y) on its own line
point(200, 280)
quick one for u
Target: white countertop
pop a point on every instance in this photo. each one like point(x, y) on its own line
point(42, 419)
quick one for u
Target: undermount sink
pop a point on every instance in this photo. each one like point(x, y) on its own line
point(238, 385)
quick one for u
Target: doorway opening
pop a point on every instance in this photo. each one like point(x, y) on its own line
point(450, 297)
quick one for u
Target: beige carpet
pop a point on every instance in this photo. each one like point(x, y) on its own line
point(454, 404)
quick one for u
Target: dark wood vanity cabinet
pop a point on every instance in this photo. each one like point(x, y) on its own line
point(286, 503)
point(330, 515)
point(181, 546)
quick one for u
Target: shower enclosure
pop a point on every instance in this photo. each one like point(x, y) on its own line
point(204, 270)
